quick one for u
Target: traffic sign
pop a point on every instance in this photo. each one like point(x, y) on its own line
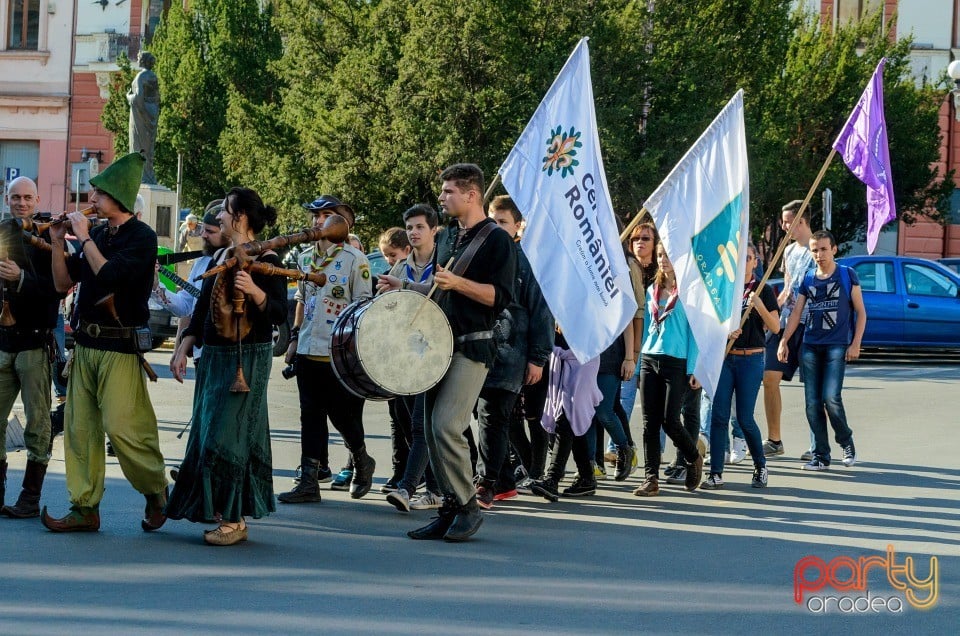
point(11, 174)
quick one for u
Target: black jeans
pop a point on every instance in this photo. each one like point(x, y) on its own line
point(663, 384)
point(322, 396)
point(531, 451)
point(401, 435)
point(494, 410)
point(566, 442)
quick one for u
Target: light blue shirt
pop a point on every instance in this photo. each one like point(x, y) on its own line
point(674, 338)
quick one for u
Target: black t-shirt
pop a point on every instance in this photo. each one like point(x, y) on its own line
point(131, 251)
point(261, 330)
point(495, 263)
point(752, 336)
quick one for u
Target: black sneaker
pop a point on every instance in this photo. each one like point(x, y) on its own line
point(485, 497)
point(390, 486)
point(760, 476)
point(625, 458)
point(581, 488)
point(324, 475)
point(546, 488)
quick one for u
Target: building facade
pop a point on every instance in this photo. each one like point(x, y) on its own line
point(935, 28)
point(35, 48)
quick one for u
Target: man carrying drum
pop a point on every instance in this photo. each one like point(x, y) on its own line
point(321, 393)
point(476, 287)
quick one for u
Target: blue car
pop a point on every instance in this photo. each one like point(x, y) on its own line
point(910, 302)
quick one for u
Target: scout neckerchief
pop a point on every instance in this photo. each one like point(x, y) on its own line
point(326, 259)
point(427, 270)
point(657, 316)
point(748, 289)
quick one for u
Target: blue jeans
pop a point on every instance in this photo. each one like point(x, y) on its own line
point(418, 461)
point(706, 414)
point(740, 376)
point(823, 368)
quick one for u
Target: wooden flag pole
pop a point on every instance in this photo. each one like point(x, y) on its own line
point(786, 239)
point(633, 223)
point(490, 189)
point(429, 294)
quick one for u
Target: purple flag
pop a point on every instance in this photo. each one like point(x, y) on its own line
point(863, 145)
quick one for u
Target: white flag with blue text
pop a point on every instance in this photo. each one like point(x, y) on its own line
point(555, 176)
point(702, 213)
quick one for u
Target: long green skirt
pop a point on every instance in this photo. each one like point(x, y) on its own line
point(228, 466)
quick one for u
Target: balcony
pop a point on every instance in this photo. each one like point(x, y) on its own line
point(103, 48)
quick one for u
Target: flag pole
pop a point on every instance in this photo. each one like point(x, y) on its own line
point(633, 223)
point(786, 239)
point(490, 189)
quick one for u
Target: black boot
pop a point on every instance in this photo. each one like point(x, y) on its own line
point(3, 480)
point(28, 504)
point(308, 489)
point(437, 528)
point(363, 467)
point(466, 523)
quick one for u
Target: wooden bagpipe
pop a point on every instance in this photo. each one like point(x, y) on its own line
point(15, 234)
point(12, 247)
point(228, 304)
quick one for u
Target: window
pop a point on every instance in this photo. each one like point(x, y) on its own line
point(876, 277)
point(24, 21)
point(853, 10)
point(926, 281)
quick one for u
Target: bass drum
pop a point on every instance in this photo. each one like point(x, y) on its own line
point(378, 351)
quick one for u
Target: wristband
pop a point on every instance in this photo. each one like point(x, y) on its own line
point(84, 242)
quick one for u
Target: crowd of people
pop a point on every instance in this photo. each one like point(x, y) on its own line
point(534, 403)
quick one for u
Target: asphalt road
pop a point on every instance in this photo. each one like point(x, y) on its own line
point(710, 562)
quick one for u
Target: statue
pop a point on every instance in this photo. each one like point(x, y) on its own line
point(144, 98)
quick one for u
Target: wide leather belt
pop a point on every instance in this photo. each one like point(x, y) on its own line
point(475, 335)
point(746, 352)
point(95, 330)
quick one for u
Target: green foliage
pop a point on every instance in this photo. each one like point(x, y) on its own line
point(116, 112)
point(209, 55)
point(370, 99)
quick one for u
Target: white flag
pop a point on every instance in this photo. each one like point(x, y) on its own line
point(555, 176)
point(702, 213)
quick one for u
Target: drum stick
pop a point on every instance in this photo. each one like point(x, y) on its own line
point(427, 297)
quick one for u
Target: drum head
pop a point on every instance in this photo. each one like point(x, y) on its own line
point(403, 355)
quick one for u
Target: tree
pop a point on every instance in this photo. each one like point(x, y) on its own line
point(215, 51)
point(823, 75)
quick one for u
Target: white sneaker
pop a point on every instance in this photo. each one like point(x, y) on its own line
point(400, 499)
point(738, 450)
point(426, 501)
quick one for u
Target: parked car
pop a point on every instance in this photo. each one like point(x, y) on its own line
point(952, 263)
point(910, 302)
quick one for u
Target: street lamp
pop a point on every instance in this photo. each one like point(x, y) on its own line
point(953, 70)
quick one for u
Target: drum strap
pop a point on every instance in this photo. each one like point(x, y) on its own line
point(474, 335)
point(462, 263)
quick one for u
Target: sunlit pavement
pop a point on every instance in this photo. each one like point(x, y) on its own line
point(715, 562)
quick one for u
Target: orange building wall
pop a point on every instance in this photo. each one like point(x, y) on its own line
point(86, 130)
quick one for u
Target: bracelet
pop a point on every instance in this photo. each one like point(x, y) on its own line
point(84, 242)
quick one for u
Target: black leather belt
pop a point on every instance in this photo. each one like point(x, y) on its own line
point(475, 335)
point(95, 330)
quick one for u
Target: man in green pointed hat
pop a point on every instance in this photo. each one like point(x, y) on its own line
point(107, 391)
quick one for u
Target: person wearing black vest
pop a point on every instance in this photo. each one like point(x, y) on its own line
point(25, 347)
point(476, 269)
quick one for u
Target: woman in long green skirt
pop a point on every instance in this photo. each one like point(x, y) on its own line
point(227, 471)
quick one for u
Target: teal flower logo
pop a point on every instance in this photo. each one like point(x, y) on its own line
point(561, 151)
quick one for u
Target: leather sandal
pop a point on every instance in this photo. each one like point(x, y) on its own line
point(218, 537)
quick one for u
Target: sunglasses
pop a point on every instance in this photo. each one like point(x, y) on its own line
point(644, 239)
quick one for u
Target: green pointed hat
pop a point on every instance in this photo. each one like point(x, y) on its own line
point(121, 179)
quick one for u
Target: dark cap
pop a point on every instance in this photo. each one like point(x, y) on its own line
point(211, 211)
point(330, 202)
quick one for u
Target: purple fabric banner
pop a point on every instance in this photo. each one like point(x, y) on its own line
point(863, 145)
